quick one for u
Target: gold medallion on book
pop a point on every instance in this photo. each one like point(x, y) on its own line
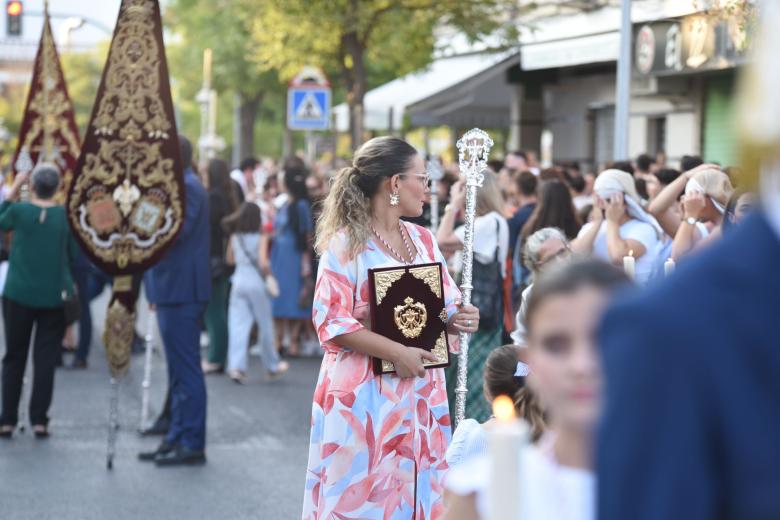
point(407, 306)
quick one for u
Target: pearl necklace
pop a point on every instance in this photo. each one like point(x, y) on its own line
point(390, 248)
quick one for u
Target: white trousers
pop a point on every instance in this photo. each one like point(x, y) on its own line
point(250, 303)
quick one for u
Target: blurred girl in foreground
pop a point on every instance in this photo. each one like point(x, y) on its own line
point(557, 472)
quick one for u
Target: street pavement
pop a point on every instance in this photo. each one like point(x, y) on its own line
point(256, 447)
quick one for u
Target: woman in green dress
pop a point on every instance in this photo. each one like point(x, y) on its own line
point(38, 281)
point(491, 246)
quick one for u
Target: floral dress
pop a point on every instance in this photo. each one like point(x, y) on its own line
point(378, 443)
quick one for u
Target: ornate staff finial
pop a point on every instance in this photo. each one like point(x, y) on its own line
point(473, 150)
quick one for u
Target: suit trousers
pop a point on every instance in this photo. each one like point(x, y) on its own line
point(180, 326)
point(49, 328)
point(249, 303)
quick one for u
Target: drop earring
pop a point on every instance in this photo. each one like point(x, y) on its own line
point(394, 199)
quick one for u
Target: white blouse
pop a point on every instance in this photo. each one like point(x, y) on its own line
point(548, 490)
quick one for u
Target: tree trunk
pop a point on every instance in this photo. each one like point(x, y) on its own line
point(248, 110)
point(356, 82)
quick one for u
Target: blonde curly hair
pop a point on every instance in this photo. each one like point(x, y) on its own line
point(347, 207)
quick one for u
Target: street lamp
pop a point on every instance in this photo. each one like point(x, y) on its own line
point(68, 26)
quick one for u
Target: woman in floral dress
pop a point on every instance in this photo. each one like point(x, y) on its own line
point(377, 442)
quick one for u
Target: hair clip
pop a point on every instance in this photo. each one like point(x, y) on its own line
point(522, 370)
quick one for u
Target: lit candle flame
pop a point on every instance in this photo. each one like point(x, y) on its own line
point(631, 253)
point(503, 408)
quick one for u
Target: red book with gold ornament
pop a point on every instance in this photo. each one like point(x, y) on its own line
point(407, 306)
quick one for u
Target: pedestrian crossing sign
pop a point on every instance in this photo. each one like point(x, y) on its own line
point(308, 108)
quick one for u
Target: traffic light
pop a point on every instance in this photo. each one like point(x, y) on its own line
point(13, 17)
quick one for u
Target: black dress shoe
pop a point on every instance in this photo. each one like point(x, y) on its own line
point(149, 456)
point(160, 427)
point(78, 363)
point(181, 456)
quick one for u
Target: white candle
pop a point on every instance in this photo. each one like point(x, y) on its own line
point(669, 267)
point(629, 264)
point(506, 438)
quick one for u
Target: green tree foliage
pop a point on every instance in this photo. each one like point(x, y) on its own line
point(82, 71)
point(222, 26)
point(350, 39)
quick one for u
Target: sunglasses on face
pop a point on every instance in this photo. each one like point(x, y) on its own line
point(424, 178)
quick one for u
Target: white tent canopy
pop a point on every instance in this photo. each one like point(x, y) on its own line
point(396, 95)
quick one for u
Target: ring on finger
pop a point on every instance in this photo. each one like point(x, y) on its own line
point(468, 323)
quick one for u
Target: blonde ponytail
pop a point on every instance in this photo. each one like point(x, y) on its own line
point(345, 208)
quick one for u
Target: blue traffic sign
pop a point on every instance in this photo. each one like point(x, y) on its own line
point(308, 108)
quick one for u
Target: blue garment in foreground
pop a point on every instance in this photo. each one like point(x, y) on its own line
point(180, 286)
point(180, 326)
point(692, 367)
point(183, 275)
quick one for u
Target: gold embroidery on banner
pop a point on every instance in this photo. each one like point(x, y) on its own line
point(50, 106)
point(383, 281)
point(443, 315)
point(410, 318)
point(123, 283)
point(118, 338)
point(429, 275)
point(129, 115)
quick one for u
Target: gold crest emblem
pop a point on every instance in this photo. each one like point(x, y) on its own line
point(411, 318)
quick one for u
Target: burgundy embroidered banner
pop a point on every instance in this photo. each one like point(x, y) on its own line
point(126, 203)
point(48, 132)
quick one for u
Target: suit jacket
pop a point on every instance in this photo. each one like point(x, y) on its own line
point(691, 428)
point(183, 274)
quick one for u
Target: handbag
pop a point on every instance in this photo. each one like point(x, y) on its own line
point(270, 282)
point(487, 291)
point(218, 265)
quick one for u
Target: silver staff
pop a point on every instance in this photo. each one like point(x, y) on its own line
point(113, 423)
point(146, 386)
point(473, 150)
point(435, 172)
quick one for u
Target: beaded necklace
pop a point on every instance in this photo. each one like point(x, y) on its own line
point(393, 251)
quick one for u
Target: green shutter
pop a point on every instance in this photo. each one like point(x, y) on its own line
point(719, 144)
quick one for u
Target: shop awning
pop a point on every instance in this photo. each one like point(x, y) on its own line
point(481, 99)
point(398, 94)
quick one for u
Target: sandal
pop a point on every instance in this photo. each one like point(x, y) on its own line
point(41, 431)
point(6, 431)
point(281, 368)
point(237, 376)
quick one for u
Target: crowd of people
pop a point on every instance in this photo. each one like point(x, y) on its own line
point(553, 249)
point(241, 273)
point(273, 259)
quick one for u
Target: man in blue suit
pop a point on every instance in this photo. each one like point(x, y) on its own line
point(179, 286)
point(692, 418)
